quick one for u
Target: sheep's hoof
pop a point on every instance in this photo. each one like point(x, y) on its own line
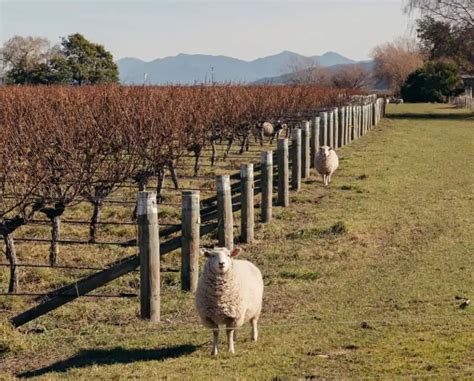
point(214, 352)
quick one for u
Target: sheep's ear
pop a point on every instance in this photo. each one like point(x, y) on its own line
point(235, 252)
point(330, 148)
point(206, 252)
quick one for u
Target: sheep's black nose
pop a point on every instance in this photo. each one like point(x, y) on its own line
point(221, 264)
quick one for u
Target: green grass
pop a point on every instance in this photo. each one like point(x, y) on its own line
point(363, 279)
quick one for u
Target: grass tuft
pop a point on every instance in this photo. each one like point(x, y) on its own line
point(311, 232)
point(300, 275)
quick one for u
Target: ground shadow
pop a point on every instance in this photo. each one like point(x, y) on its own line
point(463, 116)
point(89, 357)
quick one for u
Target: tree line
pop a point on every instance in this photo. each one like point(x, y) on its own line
point(75, 61)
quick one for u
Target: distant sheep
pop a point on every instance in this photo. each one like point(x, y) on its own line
point(229, 293)
point(396, 101)
point(269, 130)
point(326, 163)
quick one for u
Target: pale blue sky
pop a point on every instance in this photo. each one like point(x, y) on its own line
point(150, 29)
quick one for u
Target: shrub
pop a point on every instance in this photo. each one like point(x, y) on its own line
point(432, 83)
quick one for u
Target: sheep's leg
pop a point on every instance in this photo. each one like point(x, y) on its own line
point(274, 135)
point(230, 339)
point(215, 341)
point(254, 329)
point(256, 136)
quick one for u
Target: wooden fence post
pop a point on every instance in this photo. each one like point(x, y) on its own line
point(336, 128)
point(369, 109)
point(348, 124)
point(369, 117)
point(315, 134)
point(323, 135)
point(372, 115)
point(267, 185)
point(283, 173)
point(190, 221)
point(149, 251)
point(342, 125)
point(305, 153)
point(247, 219)
point(225, 219)
point(330, 141)
point(354, 123)
point(296, 159)
point(364, 119)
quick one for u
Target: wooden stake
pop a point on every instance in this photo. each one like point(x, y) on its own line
point(225, 219)
point(330, 140)
point(149, 251)
point(283, 173)
point(247, 219)
point(296, 159)
point(267, 185)
point(315, 134)
point(191, 221)
point(305, 151)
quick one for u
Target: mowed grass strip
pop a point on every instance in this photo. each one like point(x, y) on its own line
point(364, 279)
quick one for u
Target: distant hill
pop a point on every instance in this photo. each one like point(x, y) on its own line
point(288, 78)
point(198, 68)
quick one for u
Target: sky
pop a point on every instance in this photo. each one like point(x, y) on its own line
point(150, 29)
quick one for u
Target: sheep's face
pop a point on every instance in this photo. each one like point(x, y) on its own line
point(219, 259)
point(324, 151)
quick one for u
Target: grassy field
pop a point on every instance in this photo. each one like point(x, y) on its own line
point(364, 279)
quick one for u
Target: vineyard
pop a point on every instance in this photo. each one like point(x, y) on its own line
point(63, 146)
point(74, 158)
point(355, 262)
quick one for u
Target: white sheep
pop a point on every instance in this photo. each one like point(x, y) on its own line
point(326, 163)
point(269, 130)
point(229, 293)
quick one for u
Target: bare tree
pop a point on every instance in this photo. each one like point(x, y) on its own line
point(20, 157)
point(305, 70)
point(394, 61)
point(455, 12)
point(351, 77)
point(25, 52)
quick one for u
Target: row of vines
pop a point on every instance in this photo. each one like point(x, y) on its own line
point(65, 145)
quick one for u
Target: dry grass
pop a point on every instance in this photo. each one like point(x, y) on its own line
point(361, 278)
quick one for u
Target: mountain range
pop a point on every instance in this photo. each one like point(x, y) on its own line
point(199, 68)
